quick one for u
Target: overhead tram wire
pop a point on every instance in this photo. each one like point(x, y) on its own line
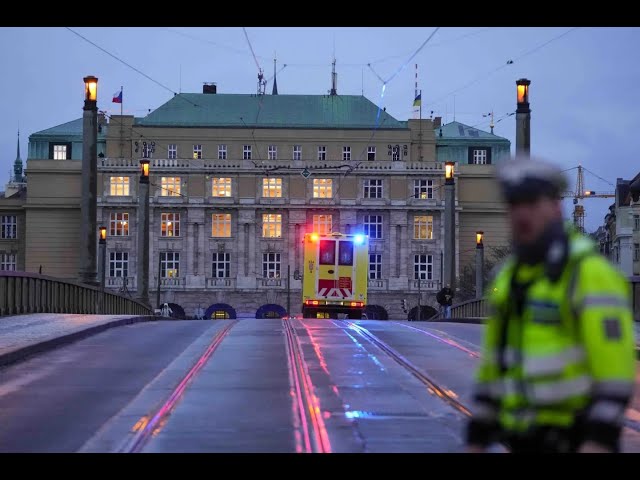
point(204, 40)
point(129, 65)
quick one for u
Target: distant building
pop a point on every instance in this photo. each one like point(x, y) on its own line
point(12, 219)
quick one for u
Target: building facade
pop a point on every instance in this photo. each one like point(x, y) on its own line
point(237, 180)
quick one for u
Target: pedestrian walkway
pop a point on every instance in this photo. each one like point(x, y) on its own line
point(23, 335)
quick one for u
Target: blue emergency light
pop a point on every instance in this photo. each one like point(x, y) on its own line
point(358, 239)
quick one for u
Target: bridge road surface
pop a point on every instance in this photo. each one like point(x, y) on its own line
point(248, 386)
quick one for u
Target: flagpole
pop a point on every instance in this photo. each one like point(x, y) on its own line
point(121, 102)
point(420, 131)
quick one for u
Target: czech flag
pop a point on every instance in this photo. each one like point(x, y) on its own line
point(117, 97)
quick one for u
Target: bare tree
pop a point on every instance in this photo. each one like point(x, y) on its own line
point(494, 257)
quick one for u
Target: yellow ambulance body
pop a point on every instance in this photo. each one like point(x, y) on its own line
point(335, 273)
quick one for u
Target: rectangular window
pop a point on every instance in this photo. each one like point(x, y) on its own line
point(423, 267)
point(373, 188)
point(346, 154)
point(322, 188)
point(170, 186)
point(273, 152)
point(327, 252)
point(170, 225)
point(118, 224)
point(373, 226)
point(119, 186)
point(322, 224)
point(197, 152)
point(423, 227)
point(636, 252)
point(7, 262)
point(345, 252)
point(172, 151)
point(169, 264)
point(221, 225)
point(322, 152)
point(271, 265)
point(371, 153)
point(271, 225)
point(9, 227)
point(636, 223)
point(246, 152)
point(220, 187)
point(221, 265)
point(375, 266)
point(222, 152)
point(479, 156)
point(423, 189)
point(118, 264)
point(60, 151)
point(272, 187)
point(297, 152)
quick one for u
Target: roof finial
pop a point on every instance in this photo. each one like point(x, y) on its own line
point(17, 165)
point(274, 91)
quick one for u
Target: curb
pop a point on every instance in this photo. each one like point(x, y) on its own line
point(22, 353)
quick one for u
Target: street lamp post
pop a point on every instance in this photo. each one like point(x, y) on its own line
point(449, 225)
point(142, 286)
point(89, 205)
point(479, 264)
point(523, 118)
point(103, 264)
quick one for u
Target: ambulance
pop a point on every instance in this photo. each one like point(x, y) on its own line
point(334, 279)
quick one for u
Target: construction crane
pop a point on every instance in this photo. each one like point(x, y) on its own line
point(581, 193)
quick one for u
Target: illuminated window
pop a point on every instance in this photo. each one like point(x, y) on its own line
point(322, 152)
point(172, 151)
point(346, 154)
point(371, 153)
point(118, 224)
point(479, 156)
point(221, 225)
point(423, 227)
point(119, 186)
point(222, 152)
point(373, 226)
point(9, 226)
point(423, 189)
point(373, 188)
point(423, 267)
point(221, 187)
point(221, 265)
point(322, 188)
point(60, 152)
point(7, 262)
point(246, 152)
point(118, 264)
point(271, 265)
point(170, 186)
point(297, 152)
point(271, 225)
point(197, 151)
point(169, 264)
point(170, 225)
point(375, 266)
point(322, 224)
point(271, 187)
point(273, 152)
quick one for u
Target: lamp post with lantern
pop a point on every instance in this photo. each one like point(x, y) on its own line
point(523, 118)
point(103, 264)
point(89, 205)
point(479, 264)
point(142, 270)
point(449, 225)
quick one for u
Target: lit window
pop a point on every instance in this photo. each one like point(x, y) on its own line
point(273, 152)
point(423, 267)
point(423, 227)
point(9, 227)
point(60, 152)
point(373, 188)
point(197, 152)
point(172, 151)
point(271, 265)
point(118, 224)
point(170, 225)
point(297, 152)
point(375, 266)
point(221, 265)
point(322, 152)
point(169, 264)
point(479, 156)
point(373, 226)
point(221, 225)
point(118, 264)
point(322, 224)
point(271, 225)
point(271, 187)
point(221, 187)
point(7, 262)
point(222, 152)
point(322, 188)
point(423, 189)
point(119, 186)
point(170, 186)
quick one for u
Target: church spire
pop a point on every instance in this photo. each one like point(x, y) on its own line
point(275, 83)
point(17, 165)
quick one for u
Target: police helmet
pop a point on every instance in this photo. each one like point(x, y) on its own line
point(526, 180)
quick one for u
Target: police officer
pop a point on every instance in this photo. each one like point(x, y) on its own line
point(558, 363)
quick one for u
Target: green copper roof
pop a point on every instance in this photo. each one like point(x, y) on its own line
point(270, 111)
point(69, 129)
point(459, 131)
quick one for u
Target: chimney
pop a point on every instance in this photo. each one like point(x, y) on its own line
point(437, 122)
point(209, 88)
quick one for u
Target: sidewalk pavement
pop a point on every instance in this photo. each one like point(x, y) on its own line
point(23, 335)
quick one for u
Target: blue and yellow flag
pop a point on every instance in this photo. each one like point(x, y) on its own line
point(418, 101)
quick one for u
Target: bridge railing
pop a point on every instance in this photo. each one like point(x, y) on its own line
point(22, 293)
point(471, 309)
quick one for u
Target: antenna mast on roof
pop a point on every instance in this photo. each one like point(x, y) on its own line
point(334, 78)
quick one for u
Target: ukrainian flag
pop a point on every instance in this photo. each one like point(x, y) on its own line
point(418, 100)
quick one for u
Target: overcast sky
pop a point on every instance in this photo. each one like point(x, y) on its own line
point(584, 82)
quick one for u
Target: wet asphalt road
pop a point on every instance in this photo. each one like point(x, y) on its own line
point(99, 394)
